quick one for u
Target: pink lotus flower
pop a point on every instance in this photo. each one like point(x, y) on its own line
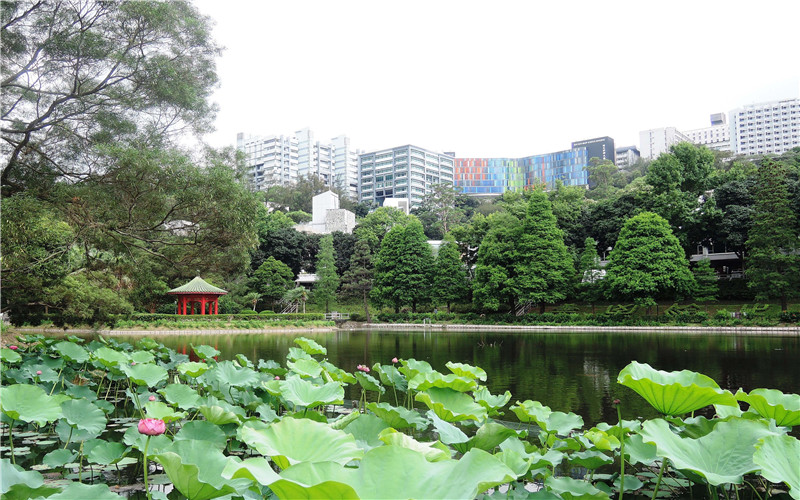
point(133, 363)
point(152, 398)
point(152, 426)
point(394, 360)
point(13, 347)
point(38, 372)
point(363, 368)
point(277, 377)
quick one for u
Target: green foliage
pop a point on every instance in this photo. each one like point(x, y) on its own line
point(327, 280)
point(272, 279)
point(705, 279)
point(495, 263)
point(376, 225)
point(403, 267)
point(439, 211)
point(358, 280)
point(450, 282)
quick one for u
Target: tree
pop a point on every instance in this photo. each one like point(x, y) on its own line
point(705, 278)
point(567, 203)
point(80, 74)
point(590, 272)
point(272, 279)
point(438, 211)
point(375, 226)
point(358, 280)
point(774, 241)
point(298, 294)
point(495, 263)
point(343, 247)
point(543, 269)
point(469, 237)
point(601, 174)
point(648, 262)
point(450, 281)
point(403, 267)
point(327, 280)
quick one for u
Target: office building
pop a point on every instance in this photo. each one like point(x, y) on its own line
point(402, 172)
point(765, 128)
point(655, 141)
point(601, 148)
point(717, 136)
point(627, 156)
point(272, 160)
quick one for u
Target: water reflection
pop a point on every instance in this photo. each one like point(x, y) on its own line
point(566, 371)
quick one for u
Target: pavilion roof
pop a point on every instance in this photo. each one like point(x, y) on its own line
point(198, 285)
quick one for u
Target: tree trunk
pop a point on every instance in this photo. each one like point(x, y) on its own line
point(541, 307)
point(414, 306)
point(448, 308)
point(366, 308)
point(784, 303)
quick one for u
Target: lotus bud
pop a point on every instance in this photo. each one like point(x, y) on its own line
point(152, 426)
point(13, 347)
point(152, 398)
point(277, 377)
point(133, 363)
point(38, 372)
point(394, 360)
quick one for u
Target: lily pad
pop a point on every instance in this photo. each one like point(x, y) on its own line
point(448, 433)
point(107, 453)
point(310, 346)
point(451, 405)
point(391, 376)
point(195, 468)
point(205, 352)
point(488, 436)
point(365, 429)
point(674, 393)
point(412, 367)
point(30, 403)
point(110, 358)
point(398, 417)
point(159, 410)
point(218, 415)
point(229, 374)
point(424, 381)
point(468, 371)
point(779, 459)
point(491, 402)
point(80, 491)
point(369, 383)
point(569, 488)
point(16, 483)
point(58, 458)
point(302, 392)
point(774, 404)
point(203, 430)
point(9, 356)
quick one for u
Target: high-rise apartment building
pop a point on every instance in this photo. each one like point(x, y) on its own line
point(346, 166)
point(769, 127)
point(402, 172)
point(627, 156)
point(313, 157)
point(655, 141)
point(272, 160)
point(717, 136)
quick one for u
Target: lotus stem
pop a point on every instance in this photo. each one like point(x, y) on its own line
point(146, 486)
point(660, 475)
point(11, 441)
point(621, 454)
point(56, 382)
point(394, 389)
point(69, 438)
point(754, 490)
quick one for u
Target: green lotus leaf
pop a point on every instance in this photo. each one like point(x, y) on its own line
point(145, 374)
point(270, 366)
point(193, 368)
point(195, 469)
point(591, 459)
point(424, 381)
point(398, 417)
point(71, 351)
point(640, 452)
point(266, 413)
point(774, 404)
point(302, 392)
point(133, 438)
point(159, 410)
point(30, 403)
point(302, 440)
point(142, 357)
point(674, 393)
point(18, 484)
point(310, 346)
point(365, 430)
point(107, 453)
point(568, 488)
point(601, 440)
point(305, 367)
point(549, 420)
point(295, 354)
point(448, 433)
point(488, 437)
point(368, 382)
point(451, 405)
point(9, 356)
point(513, 446)
point(80, 491)
point(242, 361)
point(412, 367)
point(412, 476)
point(337, 373)
point(779, 459)
point(111, 358)
point(433, 452)
point(227, 373)
point(47, 375)
point(218, 415)
point(391, 376)
point(468, 371)
point(181, 395)
point(202, 430)
point(257, 470)
point(492, 403)
point(205, 352)
point(723, 455)
point(148, 344)
point(59, 458)
point(272, 386)
point(342, 421)
point(83, 415)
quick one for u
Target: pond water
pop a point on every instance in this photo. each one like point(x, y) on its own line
point(567, 371)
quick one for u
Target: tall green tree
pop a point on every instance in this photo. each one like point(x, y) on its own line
point(648, 262)
point(358, 280)
point(272, 279)
point(327, 279)
point(450, 281)
point(495, 266)
point(774, 240)
point(403, 267)
point(376, 225)
point(543, 270)
point(438, 211)
point(705, 278)
point(590, 273)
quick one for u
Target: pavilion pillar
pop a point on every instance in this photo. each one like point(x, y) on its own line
point(216, 305)
point(203, 304)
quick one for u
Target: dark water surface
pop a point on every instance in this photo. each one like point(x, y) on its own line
point(567, 371)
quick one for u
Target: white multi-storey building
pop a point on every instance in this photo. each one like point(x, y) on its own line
point(717, 136)
point(314, 158)
point(346, 166)
point(769, 127)
point(402, 172)
point(626, 156)
point(655, 141)
point(272, 160)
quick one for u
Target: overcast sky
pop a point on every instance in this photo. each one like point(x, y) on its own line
point(495, 78)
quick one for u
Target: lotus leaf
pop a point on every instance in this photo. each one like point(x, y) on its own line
point(433, 451)
point(80, 491)
point(601, 439)
point(412, 367)
point(142, 357)
point(550, 421)
point(83, 415)
point(448, 433)
point(242, 361)
point(568, 488)
point(304, 393)
point(590, 459)
point(145, 374)
point(451, 405)
point(110, 358)
point(60, 457)
point(310, 346)
point(492, 403)
point(181, 395)
point(723, 455)
point(81, 392)
point(774, 404)
point(202, 430)
point(71, 351)
point(159, 410)
point(193, 368)
point(266, 413)
point(639, 452)
point(488, 437)
point(398, 417)
point(365, 429)
point(779, 458)
point(69, 433)
point(218, 415)
point(30, 403)
point(257, 470)
point(468, 371)
point(369, 383)
point(9, 356)
point(107, 453)
point(305, 367)
point(16, 483)
point(149, 344)
point(337, 373)
point(391, 376)
point(205, 352)
point(47, 375)
point(412, 476)
point(674, 393)
point(195, 469)
point(294, 354)
point(228, 374)
point(301, 440)
point(424, 381)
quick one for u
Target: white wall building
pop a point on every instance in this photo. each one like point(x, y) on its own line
point(327, 217)
point(769, 127)
point(655, 141)
point(626, 156)
point(717, 136)
point(272, 160)
point(402, 172)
